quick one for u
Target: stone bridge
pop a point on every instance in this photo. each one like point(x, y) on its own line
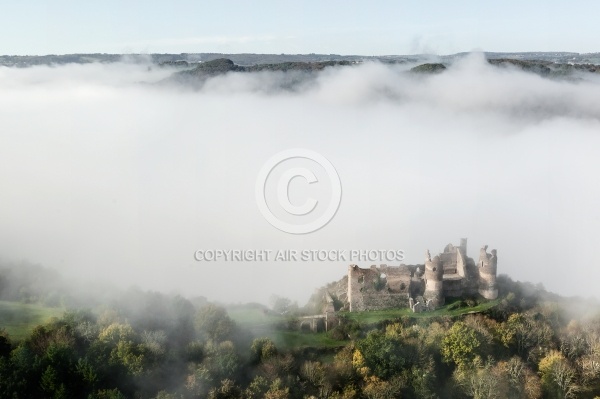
point(317, 323)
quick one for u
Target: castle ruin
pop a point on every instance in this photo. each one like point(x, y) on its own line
point(421, 287)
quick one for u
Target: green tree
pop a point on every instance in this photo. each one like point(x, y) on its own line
point(257, 388)
point(213, 323)
point(277, 390)
point(124, 346)
point(108, 394)
point(524, 332)
point(282, 305)
point(384, 355)
point(482, 381)
point(558, 376)
point(222, 361)
point(460, 345)
point(316, 375)
point(262, 349)
point(227, 390)
point(522, 381)
point(5, 344)
point(376, 388)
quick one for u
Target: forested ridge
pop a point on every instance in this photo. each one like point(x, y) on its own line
point(140, 344)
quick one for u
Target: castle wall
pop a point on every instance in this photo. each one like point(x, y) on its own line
point(453, 288)
point(450, 274)
point(461, 264)
point(448, 260)
point(378, 287)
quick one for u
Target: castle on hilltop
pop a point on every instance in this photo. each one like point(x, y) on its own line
point(423, 287)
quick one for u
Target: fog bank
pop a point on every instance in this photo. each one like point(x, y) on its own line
point(108, 175)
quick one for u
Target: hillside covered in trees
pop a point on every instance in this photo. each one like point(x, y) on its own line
point(531, 344)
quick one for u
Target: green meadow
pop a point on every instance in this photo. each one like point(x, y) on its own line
point(19, 319)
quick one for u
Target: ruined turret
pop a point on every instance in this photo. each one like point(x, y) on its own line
point(463, 246)
point(434, 281)
point(487, 266)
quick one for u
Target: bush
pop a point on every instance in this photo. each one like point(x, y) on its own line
point(346, 329)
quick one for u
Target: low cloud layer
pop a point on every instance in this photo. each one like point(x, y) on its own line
point(106, 175)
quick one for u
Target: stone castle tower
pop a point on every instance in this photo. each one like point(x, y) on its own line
point(434, 280)
point(487, 267)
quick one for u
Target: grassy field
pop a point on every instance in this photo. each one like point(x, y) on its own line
point(247, 316)
point(446, 310)
point(298, 339)
point(20, 319)
point(269, 325)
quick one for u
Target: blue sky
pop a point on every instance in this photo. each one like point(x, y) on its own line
point(341, 27)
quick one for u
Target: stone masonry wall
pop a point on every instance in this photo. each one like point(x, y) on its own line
point(378, 287)
point(449, 274)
